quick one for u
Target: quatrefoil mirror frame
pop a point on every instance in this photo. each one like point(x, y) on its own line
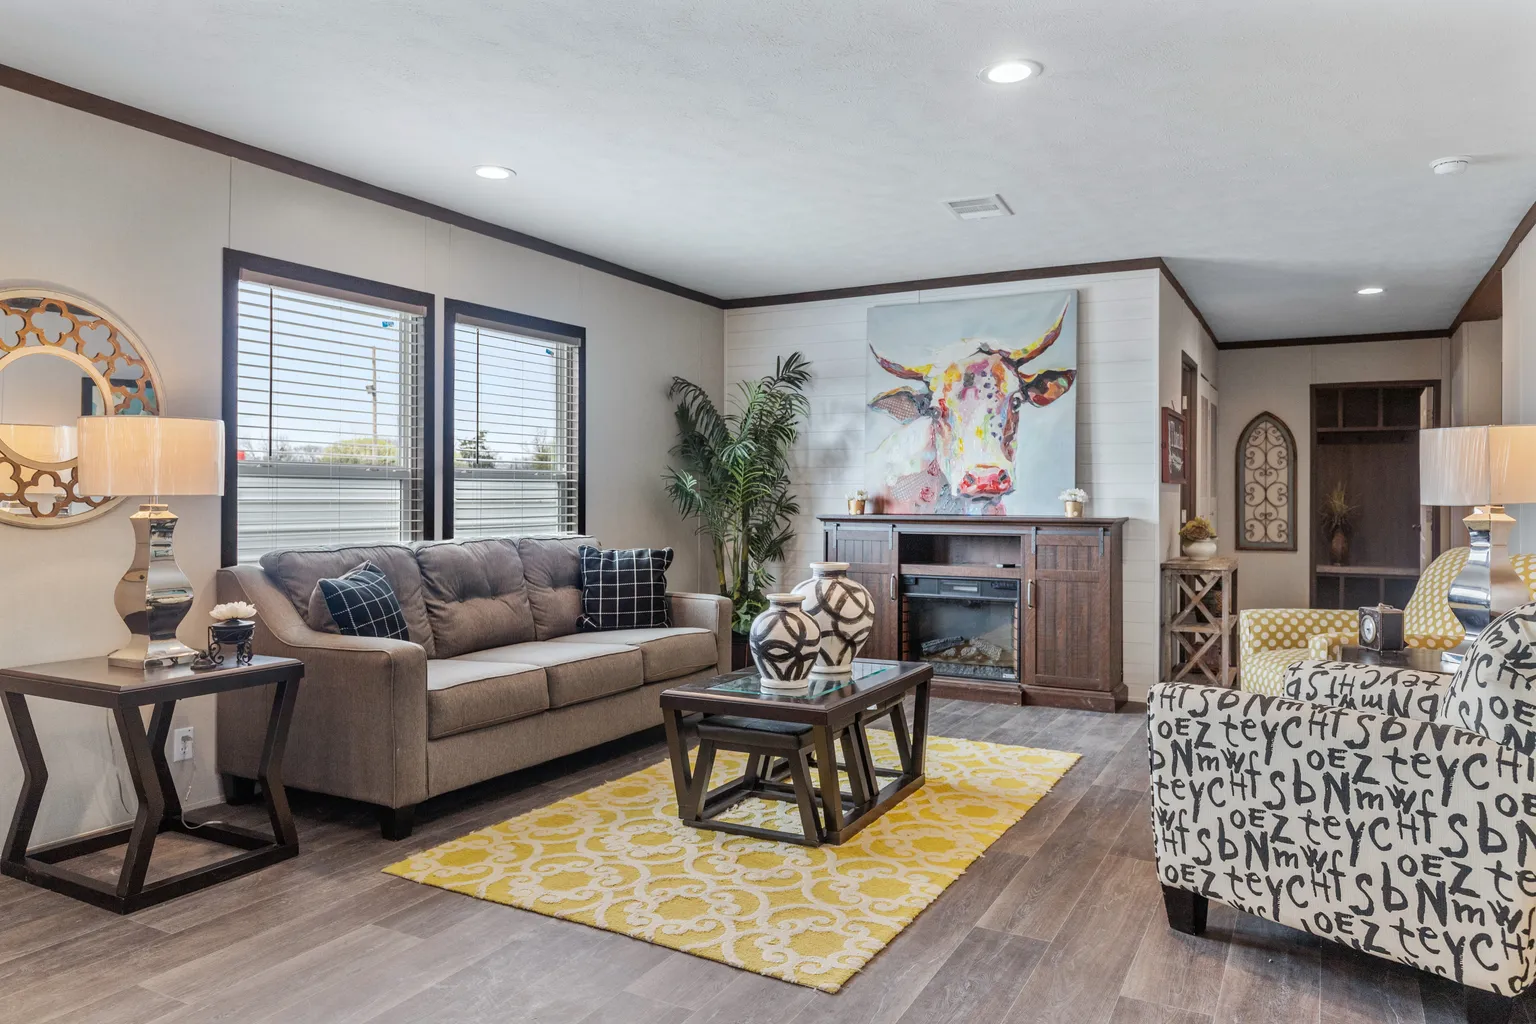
point(109, 355)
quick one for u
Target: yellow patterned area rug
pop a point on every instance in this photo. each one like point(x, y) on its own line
point(616, 857)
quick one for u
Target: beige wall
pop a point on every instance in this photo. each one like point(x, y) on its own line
point(1279, 381)
point(1518, 345)
point(137, 223)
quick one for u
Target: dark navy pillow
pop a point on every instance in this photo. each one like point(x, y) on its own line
point(363, 603)
point(624, 589)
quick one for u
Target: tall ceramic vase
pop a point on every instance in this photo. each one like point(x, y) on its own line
point(784, 643)
point(845, 612)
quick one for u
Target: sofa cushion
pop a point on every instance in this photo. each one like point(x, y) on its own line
point(668, 653)
point(465, 695)
point(552, 567)
point(577, 672)
point(475, 595)
point(297, 571)
point(624, 588)
point(1494, 689)
point(362, 603)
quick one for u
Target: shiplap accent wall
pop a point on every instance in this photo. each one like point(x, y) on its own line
point(1117, 410)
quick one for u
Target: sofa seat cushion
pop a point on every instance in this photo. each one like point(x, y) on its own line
point(475, 595)
point(297, 571)
point(466, 695)
point(668, 652)
point(577, 672)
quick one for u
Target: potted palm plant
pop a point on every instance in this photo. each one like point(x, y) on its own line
point(732, 476)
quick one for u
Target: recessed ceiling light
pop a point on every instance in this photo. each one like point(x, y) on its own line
point(1007, 72)
point(493, 171)
point(1370, 290)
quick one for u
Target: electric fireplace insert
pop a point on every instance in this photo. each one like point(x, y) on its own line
point(965, 628)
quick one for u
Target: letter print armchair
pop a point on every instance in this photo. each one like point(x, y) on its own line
point(1391, 811)
point(1272, 639)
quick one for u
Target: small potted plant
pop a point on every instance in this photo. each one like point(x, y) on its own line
point(1199, 538)
point(1073, 499)
point(1337, 514)
point(858, 501)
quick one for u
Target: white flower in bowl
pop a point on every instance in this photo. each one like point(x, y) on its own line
point(232, 610)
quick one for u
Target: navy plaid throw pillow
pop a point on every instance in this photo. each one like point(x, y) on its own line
point(624, 589)
point(363, 603)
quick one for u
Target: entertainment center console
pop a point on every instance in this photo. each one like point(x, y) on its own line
point(1011, 609)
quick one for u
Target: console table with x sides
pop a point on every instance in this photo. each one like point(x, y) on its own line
point(93, 682)
point(1200, 621)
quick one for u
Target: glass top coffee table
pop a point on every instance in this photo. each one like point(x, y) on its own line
point(786, 733)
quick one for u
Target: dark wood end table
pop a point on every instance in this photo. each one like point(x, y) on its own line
point(1423, 659)
point(124, 691)
point(837, 713)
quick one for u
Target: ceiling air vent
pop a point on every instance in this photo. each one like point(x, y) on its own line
point(979, 208)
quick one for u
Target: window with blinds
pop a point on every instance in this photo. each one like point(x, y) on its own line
point(329, 428)
point(516, 430)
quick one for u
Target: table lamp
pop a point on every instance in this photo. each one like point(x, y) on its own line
point(1488, 468)
point(158, 456)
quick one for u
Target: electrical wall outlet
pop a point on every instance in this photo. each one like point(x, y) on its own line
point(181, 744)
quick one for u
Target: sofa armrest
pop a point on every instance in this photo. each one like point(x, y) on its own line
point(1402, 692)
point(360, 722)
point(708, 611)
point(1405, 839)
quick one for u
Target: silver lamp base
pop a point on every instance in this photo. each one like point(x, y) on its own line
point(154, 595)
point(1488, 586)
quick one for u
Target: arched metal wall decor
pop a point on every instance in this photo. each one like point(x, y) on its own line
point(1266, 485)
point(118, 378)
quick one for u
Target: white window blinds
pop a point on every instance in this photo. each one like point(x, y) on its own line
point(329, 428)
point(516, 432)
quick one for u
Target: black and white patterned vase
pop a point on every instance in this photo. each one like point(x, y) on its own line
point(844, 610)
point(784, 641)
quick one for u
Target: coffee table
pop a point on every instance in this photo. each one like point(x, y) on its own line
point(835, 711)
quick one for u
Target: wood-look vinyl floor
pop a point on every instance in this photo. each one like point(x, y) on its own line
point(1061, 921)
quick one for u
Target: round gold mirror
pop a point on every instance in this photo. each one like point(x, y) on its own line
point(61, 358)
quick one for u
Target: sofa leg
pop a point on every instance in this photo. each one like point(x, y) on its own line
point(1488, 1007)
point(1186, 910)
point(395, 823)
point(237, 790)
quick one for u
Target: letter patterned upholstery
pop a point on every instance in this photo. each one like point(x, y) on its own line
point(1410, 840)
point(1404, 692)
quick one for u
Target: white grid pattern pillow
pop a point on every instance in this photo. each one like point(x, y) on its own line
point(624, 589)
point(363, 603)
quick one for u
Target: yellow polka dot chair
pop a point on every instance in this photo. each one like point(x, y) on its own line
point(1271, 639)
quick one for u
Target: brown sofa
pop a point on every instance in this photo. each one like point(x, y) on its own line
point(495, 676)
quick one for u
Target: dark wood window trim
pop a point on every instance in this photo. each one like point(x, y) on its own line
point(236, 262)
point(453, 310)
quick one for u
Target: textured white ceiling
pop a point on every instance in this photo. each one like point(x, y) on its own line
point(1276, 151)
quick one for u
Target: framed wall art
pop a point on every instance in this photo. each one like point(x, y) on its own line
point(1266, 485)
point(1174, 447)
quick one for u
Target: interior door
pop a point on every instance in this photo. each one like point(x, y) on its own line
point(1189, 404)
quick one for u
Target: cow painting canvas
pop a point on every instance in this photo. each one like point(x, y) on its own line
point(971, 405)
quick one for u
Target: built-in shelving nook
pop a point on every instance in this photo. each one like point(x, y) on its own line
point(1365, 437)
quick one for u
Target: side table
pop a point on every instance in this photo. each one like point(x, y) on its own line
point(1200, 620)
point(1422, 659)
point(124, 691)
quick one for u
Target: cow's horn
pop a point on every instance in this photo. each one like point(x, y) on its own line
point(1023, 355)
point(896, 369)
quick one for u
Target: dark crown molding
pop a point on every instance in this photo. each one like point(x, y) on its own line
point(1336, 339)
point(112, 110)
point(1487, 300)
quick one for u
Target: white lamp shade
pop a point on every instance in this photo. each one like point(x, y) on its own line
point(1478, 465)
point(39, 442)
point(150, 455)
